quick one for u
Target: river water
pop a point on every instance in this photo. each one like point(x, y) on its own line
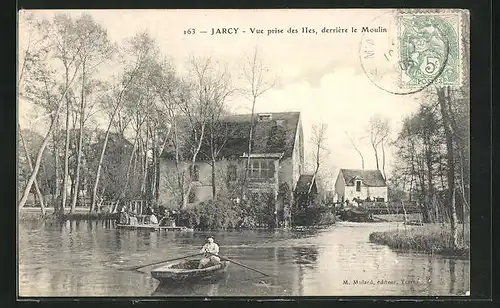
point(86, 258)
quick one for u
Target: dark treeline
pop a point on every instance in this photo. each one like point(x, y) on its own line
point(433, 157)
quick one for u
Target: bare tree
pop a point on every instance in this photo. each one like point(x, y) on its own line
point(141, 48)
point(357, 150)
point(254, 73)
point(218, 131)
point(96, 49)
point(379, 132)
point(63, 32)
point(209, 87)
point(44, 80)
point(444, 100)
point(318, 140)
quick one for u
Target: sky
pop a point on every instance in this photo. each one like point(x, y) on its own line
point(319, 75)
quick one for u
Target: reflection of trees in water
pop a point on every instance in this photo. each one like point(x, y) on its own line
point(118, 241)
point(447, 276)
point(207, 287)
point(281, 255)
point(453, 276)
point(305, 255)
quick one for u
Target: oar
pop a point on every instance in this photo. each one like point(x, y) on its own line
point(165, 261)
point(243, 265)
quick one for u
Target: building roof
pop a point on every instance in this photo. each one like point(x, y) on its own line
point(305, 183)
point(372, 178)
point(270, 136)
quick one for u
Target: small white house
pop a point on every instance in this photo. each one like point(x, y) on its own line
point(360, 184)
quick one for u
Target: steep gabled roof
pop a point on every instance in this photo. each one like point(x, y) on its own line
point(276, 135)
point(372, 178)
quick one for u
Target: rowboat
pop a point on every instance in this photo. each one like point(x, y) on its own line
point(154, 227)
point(187, 271)
point(413, 223)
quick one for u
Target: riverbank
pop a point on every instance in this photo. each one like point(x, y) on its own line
point(429, 238)
point(81, 213)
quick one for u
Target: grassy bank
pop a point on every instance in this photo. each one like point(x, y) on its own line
point(429, 238)
point(34, 214)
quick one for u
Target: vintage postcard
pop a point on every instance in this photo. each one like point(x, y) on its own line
point(243, 153)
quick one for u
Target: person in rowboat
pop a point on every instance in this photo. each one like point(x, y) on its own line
point(210, 250)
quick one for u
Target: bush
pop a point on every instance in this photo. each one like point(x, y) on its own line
point(316, 214)
point(210, 215)
point(224, 214)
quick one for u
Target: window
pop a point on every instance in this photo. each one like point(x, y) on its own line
point(194, 172)
point(231, 172)
point(358, 185)
point(262, 169)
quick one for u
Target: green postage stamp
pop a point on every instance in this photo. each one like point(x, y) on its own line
point(430, 48)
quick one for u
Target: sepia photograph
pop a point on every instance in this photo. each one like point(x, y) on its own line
point(242, 153)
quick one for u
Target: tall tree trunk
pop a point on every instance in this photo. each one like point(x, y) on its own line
point(412, 155)
point(144, 185)
point(212, 156)
point(55, 141)
point(157, 177)
point(421, 177)
point(125, 84)
point(28, 158)
point(376, 155)
point(250, 138)
point(45, 141)
point(129, 166)
point(428, 160)
point(66, 159)
point(153, 170)
point(77, 171)
point(178, 168)
point(443, 99)
point(193, 163)
point(93, 201)
point(214, 180)
point(79, 147)
point(383, 160)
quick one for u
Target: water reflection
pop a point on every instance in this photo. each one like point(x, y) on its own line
point(207, 287)
point(84, 258)
point(453, 277)
point(305, 255)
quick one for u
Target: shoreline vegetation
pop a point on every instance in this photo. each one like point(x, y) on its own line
point(218, 215)
point(429, 238)
point(34, 213)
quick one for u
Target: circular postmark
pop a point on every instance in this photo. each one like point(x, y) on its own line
point(404, 53)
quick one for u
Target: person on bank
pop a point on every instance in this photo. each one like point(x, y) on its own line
point(152, 218)
point(210, 250)
point(123, 218)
